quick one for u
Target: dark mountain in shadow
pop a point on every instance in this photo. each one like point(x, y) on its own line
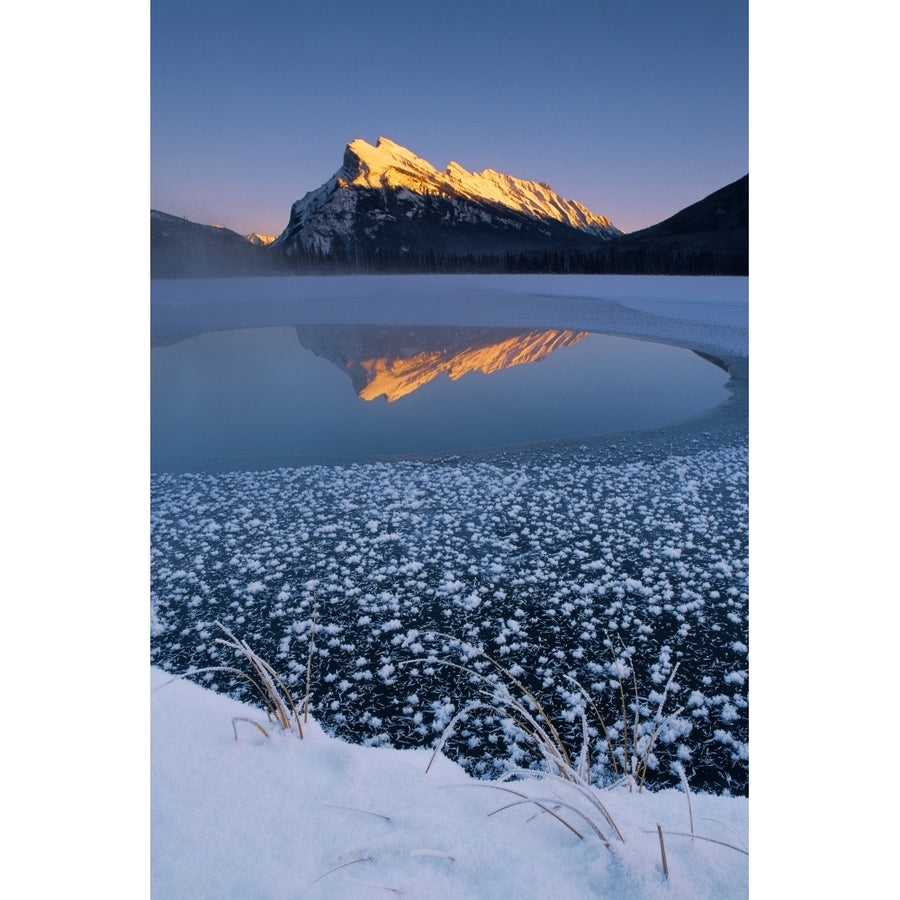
point(183, 249)
point(710, 237)
point(719, 223)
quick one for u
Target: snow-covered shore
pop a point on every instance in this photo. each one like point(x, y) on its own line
point(322, 818)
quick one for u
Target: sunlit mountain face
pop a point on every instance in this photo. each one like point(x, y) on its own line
point(261, 240)
point(384, 199)
point(393, 362)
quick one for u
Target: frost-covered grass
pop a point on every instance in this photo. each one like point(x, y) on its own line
point(270, 689)
point(323, 818)
point(565, 566)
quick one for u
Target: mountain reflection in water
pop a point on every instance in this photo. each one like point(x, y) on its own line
point(280, 396)
point(394, 361)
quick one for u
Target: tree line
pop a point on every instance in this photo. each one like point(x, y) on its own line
point(607, 259)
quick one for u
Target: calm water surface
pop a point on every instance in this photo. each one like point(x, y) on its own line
point(268, 397)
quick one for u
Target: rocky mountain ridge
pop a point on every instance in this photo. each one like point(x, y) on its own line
point(385, 197)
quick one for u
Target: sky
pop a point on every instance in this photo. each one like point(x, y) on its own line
point(634, 109)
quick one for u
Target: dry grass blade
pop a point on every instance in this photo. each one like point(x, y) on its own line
point(551, 748)
point(700, 837)
point(233, 671)
point(593, 705)
point(540, 730)
point(271, 688)
point(270, 680)
point(364, 812)
point(352, 862)
point(449, 730)
point(584, 758)
point(662, 850)
point(554, 753)
point(687, 794)
point(584, 788)
point(236, 719)
point(436, 854)
point(660, 721)
point(309, 658)
point(637, 717)
point(542, 803)
point(546, 809)
point(588, 792)
point(557, 740)
point(635, 760)
point(549, 739)
point(524, 798)
point(626, 755)
point(728, 828)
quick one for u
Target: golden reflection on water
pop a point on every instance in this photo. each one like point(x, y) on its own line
point(394, 362)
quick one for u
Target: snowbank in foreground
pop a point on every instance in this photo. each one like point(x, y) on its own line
point(322, 818)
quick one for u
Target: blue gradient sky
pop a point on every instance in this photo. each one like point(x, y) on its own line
point(634, 109)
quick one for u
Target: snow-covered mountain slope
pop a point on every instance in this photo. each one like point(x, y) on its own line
point(389, 165)
point(261, 240)
point(387, 198)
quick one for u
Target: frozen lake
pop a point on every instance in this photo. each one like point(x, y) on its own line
point(611, 562)
point(251, 399)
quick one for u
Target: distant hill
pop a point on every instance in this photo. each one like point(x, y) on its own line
point(183, 249)
point(710, 237)
point(718, 223)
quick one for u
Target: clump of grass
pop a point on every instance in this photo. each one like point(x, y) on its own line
point(635, 750)
point(510, 697)
point(524, 710)
point(277, 699)
point(564, 771)
point(629, 745)
point(573, 796)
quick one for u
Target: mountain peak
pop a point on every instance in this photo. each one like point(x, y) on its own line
point(382, 194)
point(388, 164)
point(370, 166)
